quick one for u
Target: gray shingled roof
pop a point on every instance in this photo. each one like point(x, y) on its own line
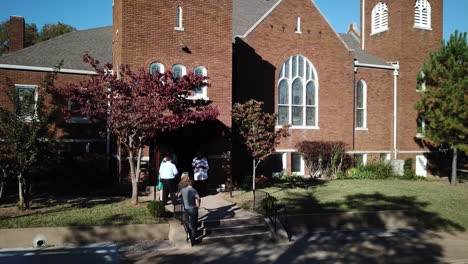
point(359, 54)
point(247, 12)
point(70, 47)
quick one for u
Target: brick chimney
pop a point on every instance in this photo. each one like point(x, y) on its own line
point(16, 33)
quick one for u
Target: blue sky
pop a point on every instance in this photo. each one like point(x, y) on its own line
point(84, 14)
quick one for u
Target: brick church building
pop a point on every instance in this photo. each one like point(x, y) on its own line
point(358, 87)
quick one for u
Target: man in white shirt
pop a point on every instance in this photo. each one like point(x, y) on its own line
point(200, 169)
point(167, 173)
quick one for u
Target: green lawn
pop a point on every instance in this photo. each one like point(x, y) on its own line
point(76, 212)
point(438, 205)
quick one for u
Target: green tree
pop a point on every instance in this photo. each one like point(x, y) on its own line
point(50, 31)
point(27, 138)
point(257, 131)
point(444, 96)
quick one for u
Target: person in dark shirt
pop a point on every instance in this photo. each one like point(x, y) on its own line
point(191, 201)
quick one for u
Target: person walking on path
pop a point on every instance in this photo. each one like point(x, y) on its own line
point(192, 202)
point(167, 173)
point(200, 169)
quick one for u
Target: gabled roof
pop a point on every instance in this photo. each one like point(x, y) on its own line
point(69, 47)
point(246, 13)
point(360, 55)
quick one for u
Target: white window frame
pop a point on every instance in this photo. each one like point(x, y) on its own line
point(179, 19)
point(423, 126)
point(379, 21)
point(364, 158)
point(302, 172)
point(204, 94)
point(298, 25)
point(157, 64)
point(421, 8)
point(36, 97)
point(387, 156)
point(184, 69)
point(364, 106)
point(286, 74)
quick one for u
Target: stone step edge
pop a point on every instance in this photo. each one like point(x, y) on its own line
point(234, 227)
point(230, 219)
point(233, 236)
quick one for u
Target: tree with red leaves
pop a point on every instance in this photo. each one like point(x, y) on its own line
point(137, 106)
point(257, 131)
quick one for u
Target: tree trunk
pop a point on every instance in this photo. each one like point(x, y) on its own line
point(22, 202)
point(253, 174)
point(2, 185)
point(453, 179)
point(131, 162)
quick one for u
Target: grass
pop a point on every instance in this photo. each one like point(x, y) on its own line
point(76, 212)
point(438, 205)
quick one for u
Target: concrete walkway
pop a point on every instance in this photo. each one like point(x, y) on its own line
point(214, 207)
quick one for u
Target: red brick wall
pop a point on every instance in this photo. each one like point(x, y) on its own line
point(409, 46)
point(16, 33)
point(275, 40)
point(379, 133)
point(147, 35)
point(70, 131)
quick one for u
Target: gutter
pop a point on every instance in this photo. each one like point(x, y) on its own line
point(44, 69)
point(396, 72)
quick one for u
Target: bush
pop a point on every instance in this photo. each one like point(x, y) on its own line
point(409, 173)
point(157, 208)
point(379, 170)
point(324, 158)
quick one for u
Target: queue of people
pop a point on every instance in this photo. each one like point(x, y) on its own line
point(191, 193)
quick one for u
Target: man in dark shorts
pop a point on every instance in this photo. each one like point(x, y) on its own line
point(192, 202)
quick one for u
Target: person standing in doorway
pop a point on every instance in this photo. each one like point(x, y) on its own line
point(192, 202)
point(200, 169)
point(168, 172)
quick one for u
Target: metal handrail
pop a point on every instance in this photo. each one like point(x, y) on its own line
point(266, 205)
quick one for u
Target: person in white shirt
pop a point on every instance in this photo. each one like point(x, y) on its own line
point(167, 173)
point(200, 169)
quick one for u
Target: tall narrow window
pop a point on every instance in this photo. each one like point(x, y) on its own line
point(179, 19)
point(297, 93)
point(26, 100)
point(361, 105)
point(156, 67)
point(379, 18)
point(421, 125)
point(298, 25)
point(297, 164)
point(422, 14)
point(178, 70)
point(200, 91)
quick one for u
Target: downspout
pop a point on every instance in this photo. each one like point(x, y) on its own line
point(354, 107)
point(363, 25)
point(395, 108)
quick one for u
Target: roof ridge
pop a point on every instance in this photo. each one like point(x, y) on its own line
point(47, 41)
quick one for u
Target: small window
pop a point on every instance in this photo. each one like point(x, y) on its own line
point(361, 105)
point(298, 25)
point(278, 161)
point(421, 82)
point(76, 115)
point(179, 19)
point(421, 125)
point(379, 18)
point(360, 159)
point(200, 91)
point(156, 67)
point(297, 163)
point(26, 101)
point(385, 156)
point(422, 14)
point(178, 71)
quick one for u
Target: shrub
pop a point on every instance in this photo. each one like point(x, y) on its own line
point(379, 170)
point(157, 209)
point(324, 158)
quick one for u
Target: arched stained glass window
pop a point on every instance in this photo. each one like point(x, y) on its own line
point(297, 93)
point(178, 70)
point(200, 91)
point(156, 67)
point(361, 106)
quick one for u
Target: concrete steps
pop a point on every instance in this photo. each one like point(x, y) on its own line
point(234, 230)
